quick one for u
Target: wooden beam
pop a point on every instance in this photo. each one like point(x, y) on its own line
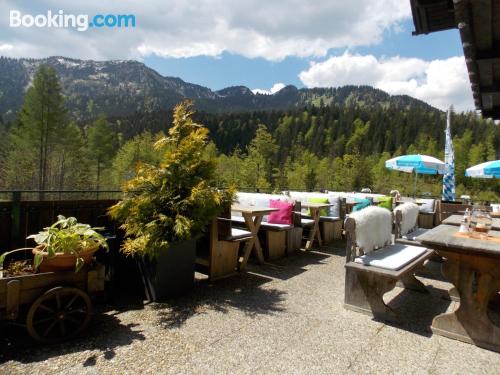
point(487, 100)
point(489, 56)
point(493, 89)
point(482, 24)
point(494, 113)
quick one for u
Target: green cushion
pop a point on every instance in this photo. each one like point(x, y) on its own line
point(385, 202)
point(323, 211)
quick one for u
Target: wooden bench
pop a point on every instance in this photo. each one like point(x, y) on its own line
point(404, 232)
point(331, 227)
point(427, 220)
point(220, 258)
point(281, 239)
point(274, 239)
point(369, 276)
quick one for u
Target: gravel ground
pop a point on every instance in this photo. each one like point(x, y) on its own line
point(284, 317)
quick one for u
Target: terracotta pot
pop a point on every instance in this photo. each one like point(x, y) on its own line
point(61, 261)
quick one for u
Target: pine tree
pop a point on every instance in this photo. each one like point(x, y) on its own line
point(102, 143)
point(132, 154)
point(41, 121)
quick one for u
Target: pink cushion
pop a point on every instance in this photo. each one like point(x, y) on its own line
point(284, 213)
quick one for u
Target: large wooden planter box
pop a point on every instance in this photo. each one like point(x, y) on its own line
point(171, 273)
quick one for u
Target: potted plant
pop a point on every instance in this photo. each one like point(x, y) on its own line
point(64, 245)
point(166, 207)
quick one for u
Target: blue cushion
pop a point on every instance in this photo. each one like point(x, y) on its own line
point(361, 203)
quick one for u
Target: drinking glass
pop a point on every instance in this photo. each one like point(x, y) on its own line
point(480, 223)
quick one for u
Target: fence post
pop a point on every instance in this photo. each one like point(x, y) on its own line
point(15, 214)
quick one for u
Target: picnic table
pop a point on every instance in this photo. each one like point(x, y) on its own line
point(457, 219)
point(473, 266)
point(314, 209)
point(253, 218)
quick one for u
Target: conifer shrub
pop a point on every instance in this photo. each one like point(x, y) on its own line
point(176, 200)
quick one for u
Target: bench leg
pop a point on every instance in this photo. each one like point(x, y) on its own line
point(293, 240)
point(275, 244)
point(364, 293)
point(224, 260)
point(409, 281)
point(330, 231)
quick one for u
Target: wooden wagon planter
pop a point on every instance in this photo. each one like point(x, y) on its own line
point(53, 306)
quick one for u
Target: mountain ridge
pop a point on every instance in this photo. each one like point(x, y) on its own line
point(126, 87)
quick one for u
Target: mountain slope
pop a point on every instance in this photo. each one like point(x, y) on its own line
point(125, 87)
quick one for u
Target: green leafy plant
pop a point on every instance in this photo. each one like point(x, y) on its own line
point(66, 236)
point(174, 201)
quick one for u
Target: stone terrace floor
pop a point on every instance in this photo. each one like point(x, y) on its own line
point(284, 317)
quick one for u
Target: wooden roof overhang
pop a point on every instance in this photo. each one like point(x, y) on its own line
point(479, 24)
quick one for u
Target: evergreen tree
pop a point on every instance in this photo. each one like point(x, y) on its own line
point(37, 133)
point(176, 200)
point(102, 143)
point(132, 154)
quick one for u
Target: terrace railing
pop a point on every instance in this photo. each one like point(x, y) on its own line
point(24, 212)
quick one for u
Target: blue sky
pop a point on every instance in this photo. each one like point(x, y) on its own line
point(231, 69)
point(261, 44)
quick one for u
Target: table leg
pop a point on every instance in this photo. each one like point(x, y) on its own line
point(253, 226)
point(315, 232)
point(476, 279)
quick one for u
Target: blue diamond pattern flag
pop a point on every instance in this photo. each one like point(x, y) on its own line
point(449, 161)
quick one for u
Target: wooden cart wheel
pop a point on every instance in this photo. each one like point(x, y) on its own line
point(58, 314)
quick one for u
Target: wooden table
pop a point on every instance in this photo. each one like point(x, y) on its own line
point(457, 219)
point(473, 266)
point(314, 209)
point(253, 218)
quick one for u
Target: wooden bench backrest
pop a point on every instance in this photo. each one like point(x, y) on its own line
point(352, 249)
point(448, 209)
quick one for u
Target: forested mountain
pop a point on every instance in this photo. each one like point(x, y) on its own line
point(123, 88)
point(335, 139)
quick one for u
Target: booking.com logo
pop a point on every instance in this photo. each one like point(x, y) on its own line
point(79, 22)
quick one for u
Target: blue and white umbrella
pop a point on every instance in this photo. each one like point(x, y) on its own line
point(490, 169)
point(449, 161)
point(418, 164)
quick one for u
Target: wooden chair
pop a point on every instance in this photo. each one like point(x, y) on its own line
point(331, 227)
point(375, 265)
point(406, 228)
point(220, 259)
point(428, 219)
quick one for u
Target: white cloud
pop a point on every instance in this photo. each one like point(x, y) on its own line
point(6, 47)
point(276, 87)
point(440, 83)
point(177, 28)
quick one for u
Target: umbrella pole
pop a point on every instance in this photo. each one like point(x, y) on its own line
point(415, 186)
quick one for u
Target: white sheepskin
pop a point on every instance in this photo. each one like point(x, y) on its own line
point(373, 228)
point(409, 214)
